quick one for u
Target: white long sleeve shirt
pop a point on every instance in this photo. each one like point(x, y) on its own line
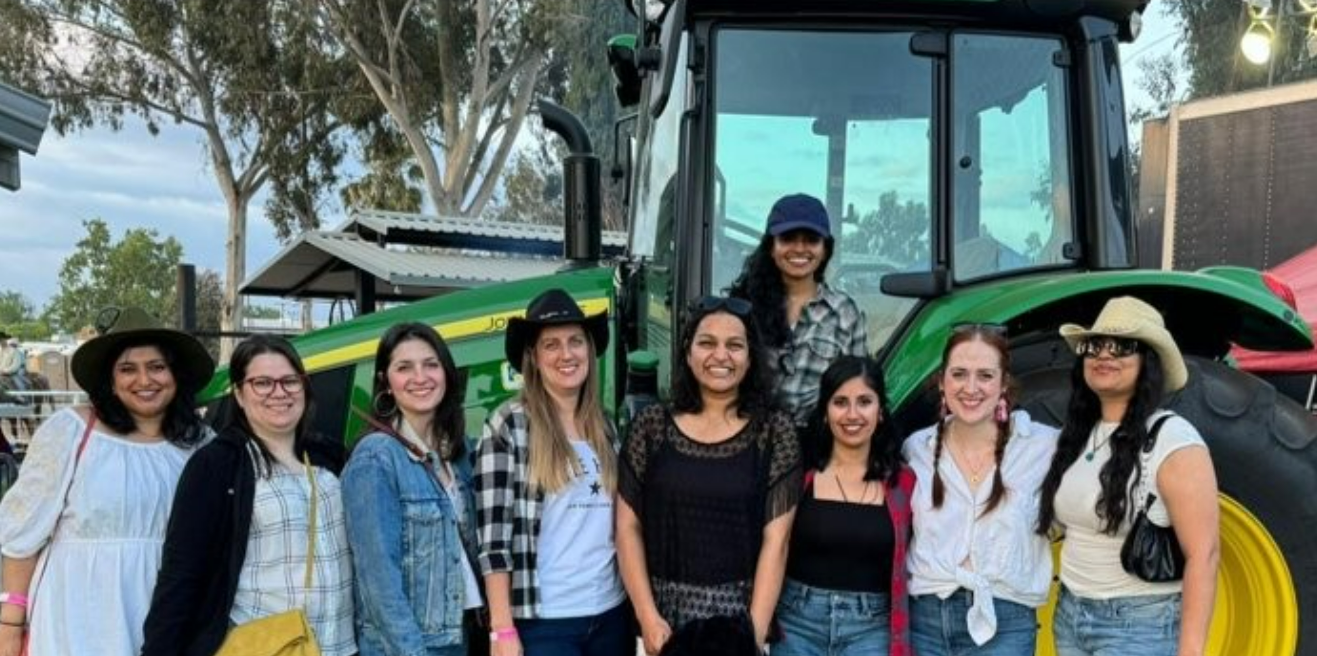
point(994, 555)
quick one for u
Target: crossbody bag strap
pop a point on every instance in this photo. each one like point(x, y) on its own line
point(310, 526)
point(77, 458)
point(1145, 457)
point(406, 444)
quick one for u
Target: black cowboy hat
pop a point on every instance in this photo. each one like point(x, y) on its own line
point(133, 325)
point(552, 308)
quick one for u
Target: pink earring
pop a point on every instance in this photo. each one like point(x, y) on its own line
point(1001, 415)
point(944, 410)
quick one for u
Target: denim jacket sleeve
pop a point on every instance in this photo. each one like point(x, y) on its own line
point(374, 526)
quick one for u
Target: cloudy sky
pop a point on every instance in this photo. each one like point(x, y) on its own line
point(131, 179)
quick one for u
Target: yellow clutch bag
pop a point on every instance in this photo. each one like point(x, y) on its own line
point(284, 634)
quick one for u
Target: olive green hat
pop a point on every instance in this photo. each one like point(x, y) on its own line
point(192, 365)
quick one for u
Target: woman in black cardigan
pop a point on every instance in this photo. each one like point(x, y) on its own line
point(210, 527)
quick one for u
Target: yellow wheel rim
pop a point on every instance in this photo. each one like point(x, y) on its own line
point(1257, 610)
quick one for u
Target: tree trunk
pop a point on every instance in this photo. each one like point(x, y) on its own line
point(235, 254)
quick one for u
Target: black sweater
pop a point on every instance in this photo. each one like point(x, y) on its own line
point(206, 543)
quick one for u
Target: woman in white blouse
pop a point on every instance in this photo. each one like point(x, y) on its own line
point(978, 570)
point(83, 525)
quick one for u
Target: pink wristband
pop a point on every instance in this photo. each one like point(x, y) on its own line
point(503, 634)
point(13, 599)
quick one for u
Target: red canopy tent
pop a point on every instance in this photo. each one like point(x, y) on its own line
point(1300, 273)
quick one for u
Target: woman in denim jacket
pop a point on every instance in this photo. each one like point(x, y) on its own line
point(409, 503)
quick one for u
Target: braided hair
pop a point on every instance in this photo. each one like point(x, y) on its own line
point(998, 342)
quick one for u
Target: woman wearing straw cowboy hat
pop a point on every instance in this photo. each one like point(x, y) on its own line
point(546, 469)
point(82, 527)
point(1118, 457)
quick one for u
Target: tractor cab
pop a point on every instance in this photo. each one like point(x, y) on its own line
point(951, 142)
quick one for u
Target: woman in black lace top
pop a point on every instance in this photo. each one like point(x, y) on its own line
point(709, 484)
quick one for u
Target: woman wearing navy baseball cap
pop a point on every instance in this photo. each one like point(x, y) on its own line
point(806, 324)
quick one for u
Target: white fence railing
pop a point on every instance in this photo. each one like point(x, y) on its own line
point(26, 409)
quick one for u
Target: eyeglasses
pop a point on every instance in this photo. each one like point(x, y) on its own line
point(1120, 347)
point(737, 306)
point(264, 385)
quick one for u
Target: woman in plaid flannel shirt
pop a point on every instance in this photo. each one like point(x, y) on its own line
point(546, 468)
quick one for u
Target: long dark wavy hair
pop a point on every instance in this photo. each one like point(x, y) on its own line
point(182, 425)
point(885, 458)
point(243, 354)
point(761, 283)
point(997, 340)
point(448, 430)
point(1082, 415)
point(754, 396)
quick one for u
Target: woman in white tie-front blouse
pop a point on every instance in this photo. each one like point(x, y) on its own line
point(978, 571)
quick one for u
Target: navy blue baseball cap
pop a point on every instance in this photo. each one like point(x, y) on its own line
point(798, 212)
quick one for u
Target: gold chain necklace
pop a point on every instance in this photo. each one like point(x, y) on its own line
point(975, 473)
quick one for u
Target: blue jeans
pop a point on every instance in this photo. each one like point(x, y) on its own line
point(1146, 625)
point(938, 627)
point(819, 622)
point(606, 634)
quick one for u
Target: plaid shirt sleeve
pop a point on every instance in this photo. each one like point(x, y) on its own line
point(495, 493)
point(898, 505)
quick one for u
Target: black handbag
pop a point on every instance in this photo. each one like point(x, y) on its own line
point(1152, 552)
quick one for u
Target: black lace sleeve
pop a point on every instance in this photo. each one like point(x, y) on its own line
point(782, 450)
point(645, 435)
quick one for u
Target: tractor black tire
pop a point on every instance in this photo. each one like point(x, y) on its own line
point(1264, 449)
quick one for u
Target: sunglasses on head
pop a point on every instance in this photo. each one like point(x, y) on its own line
point(1120, 347)
point(974, 327)
point(737, 306)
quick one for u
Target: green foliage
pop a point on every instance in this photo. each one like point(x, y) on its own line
point(14, 308)
point(138, 270)
point(579, 78)
point(1210, 31)
point(896, 231)
point(532, 189)
point(18, 318)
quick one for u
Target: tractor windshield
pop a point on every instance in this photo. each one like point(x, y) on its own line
point(856, 119)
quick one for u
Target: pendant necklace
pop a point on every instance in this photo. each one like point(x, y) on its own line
point(842, 488)
point(1094, 445)
point(975, 472)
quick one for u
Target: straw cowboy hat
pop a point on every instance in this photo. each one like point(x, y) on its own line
point(133, 326)
point(552, 308)
point(1126, 316)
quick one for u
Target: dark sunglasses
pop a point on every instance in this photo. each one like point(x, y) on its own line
point(1120, 347)
point(736, 306)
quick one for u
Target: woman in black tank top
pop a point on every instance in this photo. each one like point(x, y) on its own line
point(845, 581)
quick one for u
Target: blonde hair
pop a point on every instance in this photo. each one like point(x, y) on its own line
point(552, 460)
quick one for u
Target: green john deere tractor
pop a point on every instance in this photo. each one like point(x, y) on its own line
point(974, 159)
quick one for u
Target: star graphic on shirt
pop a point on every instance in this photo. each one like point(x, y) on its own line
point(594, 488)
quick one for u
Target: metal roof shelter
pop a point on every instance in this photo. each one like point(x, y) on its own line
point(23, 120)
point(362, 259)
point(466, 233)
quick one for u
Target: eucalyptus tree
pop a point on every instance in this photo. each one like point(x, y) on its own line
point(256, 80)
point(455, 78)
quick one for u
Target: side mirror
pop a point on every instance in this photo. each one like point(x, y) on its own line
point(922, 284)
point(622, 60)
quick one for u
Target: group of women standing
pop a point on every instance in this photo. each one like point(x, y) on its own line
point(771, 493)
